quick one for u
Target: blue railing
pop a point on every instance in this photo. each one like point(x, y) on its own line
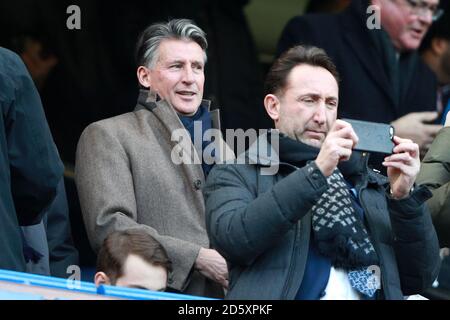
point(67, 285)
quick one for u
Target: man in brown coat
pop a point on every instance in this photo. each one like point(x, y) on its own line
point(128, 172)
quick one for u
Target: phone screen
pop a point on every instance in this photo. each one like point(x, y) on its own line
point(373, 137)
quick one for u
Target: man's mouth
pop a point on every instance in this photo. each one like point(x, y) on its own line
point(316, 133)
point(186, 93)
point(417, 33)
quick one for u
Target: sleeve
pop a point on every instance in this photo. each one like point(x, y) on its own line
point(36, 168)
point(62, 252)
point(415, 241)
point(435, 174)
point(243, 224)
point(106, 191)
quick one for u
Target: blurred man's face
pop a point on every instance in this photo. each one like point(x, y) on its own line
point(137, 274)
point(405, 24)
point(178, 76)
point(307, 109)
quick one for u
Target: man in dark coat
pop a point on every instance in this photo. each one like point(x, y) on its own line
point(320, 225)
point(30, 168)
point(383, 78)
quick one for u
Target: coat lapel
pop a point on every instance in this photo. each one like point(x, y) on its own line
point(169, 120)
point(358, 39)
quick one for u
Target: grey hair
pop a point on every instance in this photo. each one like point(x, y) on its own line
point(151, 38)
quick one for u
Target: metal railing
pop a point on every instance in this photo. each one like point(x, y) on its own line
point(24, 286)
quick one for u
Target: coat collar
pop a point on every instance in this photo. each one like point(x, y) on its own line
point(358, 38)
point(149, 100)
point(263, 153)
point(169, 120)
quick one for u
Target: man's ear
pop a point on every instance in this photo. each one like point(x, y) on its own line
point(439, 46)
point(101, 278)
point(144, 77)
point(272, 105)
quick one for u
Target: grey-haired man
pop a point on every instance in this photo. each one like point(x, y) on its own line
point(125, 171)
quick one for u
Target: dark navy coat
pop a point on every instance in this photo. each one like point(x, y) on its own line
point(30, 167)
point(261, 224)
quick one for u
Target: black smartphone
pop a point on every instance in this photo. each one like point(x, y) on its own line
point(373, 137)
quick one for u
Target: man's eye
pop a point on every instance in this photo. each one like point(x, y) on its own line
point(413, 3)
point(175, 66)
point(332, 103)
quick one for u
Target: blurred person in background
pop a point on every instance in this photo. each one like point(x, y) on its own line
point(383, 77)
point(133, 259)
point(435, 52)
point(30, 167)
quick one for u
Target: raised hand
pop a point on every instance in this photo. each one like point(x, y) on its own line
point(402, 167)
point(336, 147)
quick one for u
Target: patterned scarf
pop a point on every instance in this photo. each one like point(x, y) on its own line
point(338, 230)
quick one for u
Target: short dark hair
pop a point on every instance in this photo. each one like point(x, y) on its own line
point(439, 29)
point(120, 244)
point(277, 77)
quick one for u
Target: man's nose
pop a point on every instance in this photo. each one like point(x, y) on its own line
point(320, 113)
point(426, 17)
point(188, 75)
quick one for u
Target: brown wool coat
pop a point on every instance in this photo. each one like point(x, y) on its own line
point(126, 178)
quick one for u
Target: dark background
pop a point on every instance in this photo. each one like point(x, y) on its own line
point(95, 76)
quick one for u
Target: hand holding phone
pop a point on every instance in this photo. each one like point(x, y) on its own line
point(336, 147)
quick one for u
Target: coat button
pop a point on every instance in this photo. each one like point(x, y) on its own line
point(198, 184)
point(315, 175)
